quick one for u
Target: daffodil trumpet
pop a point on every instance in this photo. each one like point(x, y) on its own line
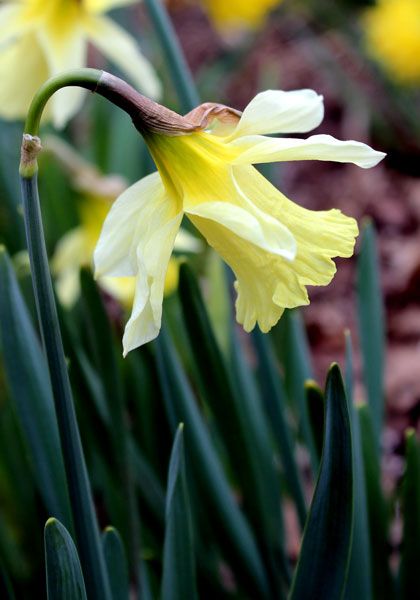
point(205, 161)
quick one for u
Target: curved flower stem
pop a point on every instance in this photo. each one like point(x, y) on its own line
point(180, 72)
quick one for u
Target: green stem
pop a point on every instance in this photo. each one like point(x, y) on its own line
point(180, 72)
point(86, 78)
point(85, 522)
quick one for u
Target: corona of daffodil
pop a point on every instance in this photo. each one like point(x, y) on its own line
point(392, 30)
point(248, 14)
point(40, 38)
point(205, 171)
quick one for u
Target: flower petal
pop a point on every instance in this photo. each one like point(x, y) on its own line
point(101, 6)
point(11, 23)
point(116, 251)
point(275, 111)
point(23, 67)
point(64, 48)
point(153, 254)
point(261, 149)
point(71, 253)
point(266, 233)
point(122, 50)
point(267, 283)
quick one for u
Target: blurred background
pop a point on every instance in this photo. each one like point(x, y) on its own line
point(362, 56)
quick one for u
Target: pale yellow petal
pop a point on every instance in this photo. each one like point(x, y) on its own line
point(64, 50)
point(101, 6)
point(122, 50)
point(275, 111)
point(153, 254)
point(71, 253)
point(121, 288)
point(23, 70)
point(186, 242)
point(11, 23)
point(266, 233)
point(267, 283)
point(116, 252)
point(261, 149)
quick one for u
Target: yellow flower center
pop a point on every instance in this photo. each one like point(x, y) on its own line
point(194, 168)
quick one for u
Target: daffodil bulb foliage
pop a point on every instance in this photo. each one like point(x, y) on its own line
point(205, 170)
point(41, 38)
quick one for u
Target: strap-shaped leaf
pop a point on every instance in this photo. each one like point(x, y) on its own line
point(30, 389)
point(179, 580)
point(409, 576)
point(323, 562)
point(371, 324)
point(233, 529)
point(116, 562)
point(359, 582)
point(64, 574)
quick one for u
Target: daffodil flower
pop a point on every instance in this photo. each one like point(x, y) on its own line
point(392, 31)
point(205, 171)
point(40, 38)
point(247, 14)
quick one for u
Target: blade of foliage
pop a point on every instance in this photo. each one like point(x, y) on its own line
point(274, 399)
point(63, 570)
point(30, 388)
point(359, 583)
point(293, 349)
point(315, 402)
point(371, 324)
point(323, 562)
point(239, 416)
point(383, 584)
point(102, 345)
point(238, 542)
point(179, 579)
point(116, 563)
point(180, 73)
point(409, 576)
point(6, 588)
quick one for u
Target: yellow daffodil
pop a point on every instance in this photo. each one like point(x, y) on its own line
point(40, 38)
point(241, 14)
point(275, 247)
point(392, 30)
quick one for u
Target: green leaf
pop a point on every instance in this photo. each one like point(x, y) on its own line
point(371, 324)
point(323, 562)
point(29, 383)
point(409, 576)
point(116, 563)
point(293, 349)
point(274, 399)
point(359, 583)
point(238, 543)
point(383, 584)
point(241, 420)
point(179, 579)
point(315, 401)
point(64, 574)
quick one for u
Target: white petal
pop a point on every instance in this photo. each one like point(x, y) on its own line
point(116, 251)
point(11, 23)
point(100, 6)
point(63, 53)
point(153, 254)
point(275, 111)
point(261, 230)
point(261, 149)
point(186, 242)
point(121, 49)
